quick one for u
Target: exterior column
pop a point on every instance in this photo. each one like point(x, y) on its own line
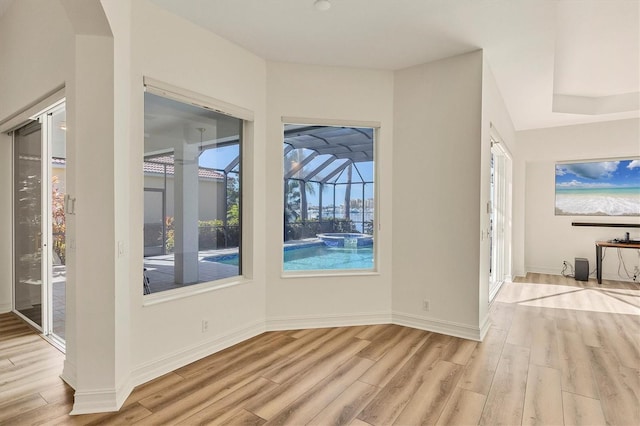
point(186, 212)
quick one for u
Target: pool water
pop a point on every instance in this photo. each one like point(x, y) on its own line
point(323, 258)
point(319, 257)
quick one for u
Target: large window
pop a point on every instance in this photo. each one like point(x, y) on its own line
point(192, 194)
point(329, 198)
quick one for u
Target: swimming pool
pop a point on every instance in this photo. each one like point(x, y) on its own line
point(316, 257)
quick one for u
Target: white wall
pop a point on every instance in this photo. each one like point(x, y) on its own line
point(27, 27)
point(550, 239)
point(172, 50)
point(437, 167)
point(340, 94)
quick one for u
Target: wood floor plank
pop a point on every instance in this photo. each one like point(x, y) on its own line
point(387, 366)
point(226, 408)
point(380, 344)
point(427, 403)
point(575, 364)
point(579, 410)
point(153, 387)
point(394, 397)
point(543, 400)
point(60, 392)
point(479, 371)
point(190, 396)
point(544, 346)
point(505, 400)
point(459, 351)
point(268, 406)
point(18, 406)
point(305, 408)
point(463, 408)
point(619, 397)
point(42, 415)
point(290, 367)
point(220, 361)
point(344, 409)
point(371, 331)
point(243, 418)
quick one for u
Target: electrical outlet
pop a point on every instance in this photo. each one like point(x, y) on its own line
point(426, 305)
point(205, 325)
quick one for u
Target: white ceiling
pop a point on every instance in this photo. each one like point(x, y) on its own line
point(586, 51)
point(578, 56)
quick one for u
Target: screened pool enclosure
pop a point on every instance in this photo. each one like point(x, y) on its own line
point(328, 180)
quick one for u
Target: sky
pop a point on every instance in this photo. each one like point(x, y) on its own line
point(601, 174)
point(220, 158)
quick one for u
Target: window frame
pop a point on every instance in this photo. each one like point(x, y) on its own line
point(246, 134)
point(316, 273)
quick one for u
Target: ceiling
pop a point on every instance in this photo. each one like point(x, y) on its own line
point(585, 52)
point(556, 62)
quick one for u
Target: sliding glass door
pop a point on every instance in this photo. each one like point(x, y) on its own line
point(28, 227)
point(39, 178)
point(499, 219)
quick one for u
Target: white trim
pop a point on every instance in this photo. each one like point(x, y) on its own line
point(192, 290)
point(176, 93)
point(494, 290)
point(69, 373)
point(332, 273)
point(322, 321)
point(155, 368)
point(440, 326)
point(39, 106)
point(484, 327)
point(330, 122)
point(95, 401)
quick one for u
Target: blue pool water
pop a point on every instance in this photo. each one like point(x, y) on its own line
point(317, 257)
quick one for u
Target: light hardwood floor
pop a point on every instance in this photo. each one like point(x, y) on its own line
point(558, 352)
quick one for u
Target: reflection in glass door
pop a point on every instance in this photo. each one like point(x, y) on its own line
point(39, 222)
point(28, 227)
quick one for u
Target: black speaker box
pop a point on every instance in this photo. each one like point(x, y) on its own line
point(582, 269)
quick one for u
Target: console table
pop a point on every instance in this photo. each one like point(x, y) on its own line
point(614, 244)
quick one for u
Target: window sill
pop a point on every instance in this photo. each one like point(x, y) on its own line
point(332, 274)
point(192, 290)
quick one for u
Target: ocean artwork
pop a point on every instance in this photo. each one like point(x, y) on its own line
point(598, 188)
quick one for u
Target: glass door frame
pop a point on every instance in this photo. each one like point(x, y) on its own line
point(500, 254)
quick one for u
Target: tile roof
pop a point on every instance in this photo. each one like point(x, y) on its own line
point(157, 166)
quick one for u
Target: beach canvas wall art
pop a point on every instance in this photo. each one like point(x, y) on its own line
point(598, 188)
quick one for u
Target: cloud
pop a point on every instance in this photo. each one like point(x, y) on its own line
point(633, 164)
point(577, 184)
point(599, 170)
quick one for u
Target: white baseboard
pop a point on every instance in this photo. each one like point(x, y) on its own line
point(156, 368)
point(69, 373)
point(5, 307)
point(321, 321)
point(439, 326)
point(95, 401)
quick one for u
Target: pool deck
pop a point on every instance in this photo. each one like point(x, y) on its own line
point(160, 269)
